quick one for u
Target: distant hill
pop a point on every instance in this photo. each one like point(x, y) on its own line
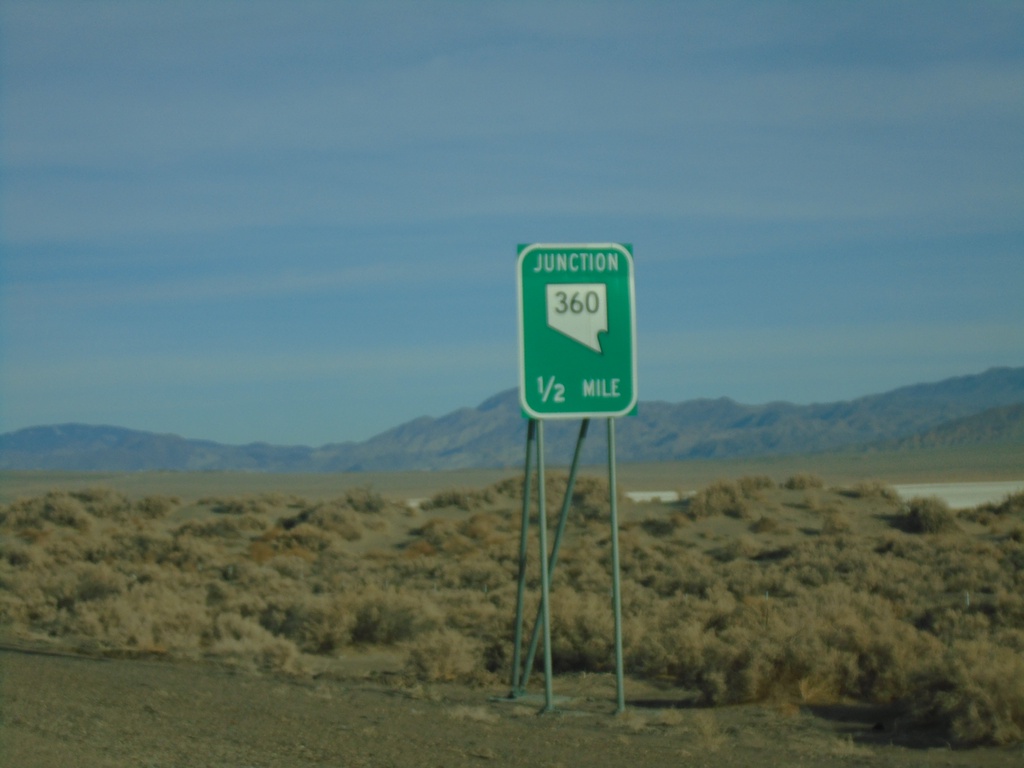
point(976, 409)
point(994, 426)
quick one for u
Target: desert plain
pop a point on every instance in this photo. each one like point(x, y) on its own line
point(788, 611)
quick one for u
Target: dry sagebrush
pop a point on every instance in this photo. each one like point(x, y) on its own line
point(747, 592)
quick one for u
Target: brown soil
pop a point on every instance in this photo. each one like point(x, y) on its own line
point(92, 713)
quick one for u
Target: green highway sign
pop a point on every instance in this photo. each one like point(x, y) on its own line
point(577, 330)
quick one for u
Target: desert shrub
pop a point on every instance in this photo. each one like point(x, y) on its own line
point(339, 522)
point(645, 651)
point(986, 514)
point(379, 524)
point(219, 528)
point(443, 535)
point(590, 495)
point(927, 515)
point(590, 498)
point(152, 616)
point(741, 547)
point(386, 617)
point(98, 581)
point(467, 501)
point(765, 524)
point(330, 517)
point(248, 644)
point(365, 500)
point(510, 487)
point(1013, 504)
point(104, 502)
point(660, 527)
point(318, 624)
point(975, 693)
point(835, 523)
point(719, 498)
point(56, 507)
point(194, 552)
point(241, 505)
point(872, 489)
point(751, 485)
point(803, 482)
point(582, 631)
point(303, 540)
point(19, 554)
point(486, 529)
point(828, 644)
point(289, 566)
point(156, 507)
point(445, 656)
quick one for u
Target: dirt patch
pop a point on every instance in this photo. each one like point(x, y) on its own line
point(92, 713)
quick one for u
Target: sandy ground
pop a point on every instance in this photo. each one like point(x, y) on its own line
point(962, 465)
point(90, 713)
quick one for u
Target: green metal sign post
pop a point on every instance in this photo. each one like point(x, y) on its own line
point(577, 359)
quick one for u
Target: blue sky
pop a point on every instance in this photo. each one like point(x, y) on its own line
point(297, 222)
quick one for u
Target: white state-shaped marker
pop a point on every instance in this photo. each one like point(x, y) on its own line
point(579, 310)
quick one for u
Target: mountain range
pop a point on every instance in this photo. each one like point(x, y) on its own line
point(975, 409)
